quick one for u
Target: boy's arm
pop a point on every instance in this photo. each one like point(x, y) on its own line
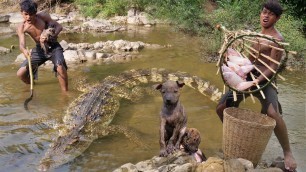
point(22, 43)
point(47, 18)
point(276, 55)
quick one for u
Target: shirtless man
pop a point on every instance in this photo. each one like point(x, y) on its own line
point(269, 15)
point(34, 23)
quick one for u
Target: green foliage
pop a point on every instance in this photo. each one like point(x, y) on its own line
point(290, 28)
point(186, 14)
point(117, 7)
point(90, 7)
point(234, 14)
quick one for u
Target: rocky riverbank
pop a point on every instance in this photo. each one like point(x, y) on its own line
point(182, 162)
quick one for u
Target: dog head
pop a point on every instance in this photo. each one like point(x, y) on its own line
point(170, 91)
point(191, 140)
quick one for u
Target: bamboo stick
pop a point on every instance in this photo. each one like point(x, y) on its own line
point(281, 77)
point(265, 77)
point(267, 57)
point(262, 43)
point(262, 74)
point(261, 92)
point(223, 89)
point(243, 98)
point(263, 35)
point(235, 96)
point(252, 97)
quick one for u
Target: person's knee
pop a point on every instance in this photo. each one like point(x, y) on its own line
point(219, 110)
point(21, 72)
point(273, 113)
point(61, 69)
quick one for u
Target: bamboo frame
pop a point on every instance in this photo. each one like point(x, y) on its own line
point(262, 74)
point(281, 77)
point(241, 41)
point(263, 55)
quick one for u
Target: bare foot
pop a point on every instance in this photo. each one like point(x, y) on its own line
point(290, 163)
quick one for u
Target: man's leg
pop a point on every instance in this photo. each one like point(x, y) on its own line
point(220, 108)
point(22, 74)
point(281, 133)
point(227, 100)
point(62, 77)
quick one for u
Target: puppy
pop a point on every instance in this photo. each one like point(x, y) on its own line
point(47, 38)
point(190, 144)
point(173, 118)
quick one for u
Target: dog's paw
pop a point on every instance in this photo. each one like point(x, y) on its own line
point(170, 149)
point(163, 153)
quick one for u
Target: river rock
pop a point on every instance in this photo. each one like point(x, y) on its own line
point(246, 163)
point(6, 30)
point(4, 18)
point(15, 18)
point(212, 164)
point(127, 167)
point(64, 45)
point(71, 56)
point(90, 55)
point(265, 170)
point(20, 58)
point(233, 165)
point(4, 50)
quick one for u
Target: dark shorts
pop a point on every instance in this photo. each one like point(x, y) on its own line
point(270, 98)
point(38, 57)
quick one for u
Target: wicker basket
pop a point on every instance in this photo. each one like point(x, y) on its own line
point(245, 134)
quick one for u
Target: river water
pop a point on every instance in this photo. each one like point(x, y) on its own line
point(25, 136)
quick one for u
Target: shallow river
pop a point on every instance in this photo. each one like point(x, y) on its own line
point(24, 139)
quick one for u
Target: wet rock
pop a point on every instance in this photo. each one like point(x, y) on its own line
point(90, 55)
point(15, 18)
point(266, 170)
point(127, 167)
point(4, 50)
point(71, 56)
point(246, 163)
point(64, 45)
point(278, 163)
point(101, 55)
point(213, 164)
point(20, 58)
point(233, 165)
point(4, 18)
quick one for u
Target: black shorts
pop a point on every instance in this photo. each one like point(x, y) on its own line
point(270, 98)
point(38, 57)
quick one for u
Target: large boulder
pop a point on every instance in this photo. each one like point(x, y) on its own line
point(15, 18)
point(4, 18)
point(6, 30)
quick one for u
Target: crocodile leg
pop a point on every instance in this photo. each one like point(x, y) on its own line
point(118, 129)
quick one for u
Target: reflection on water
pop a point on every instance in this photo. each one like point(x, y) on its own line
point(24, 136)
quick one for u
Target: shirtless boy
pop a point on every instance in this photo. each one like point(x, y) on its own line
point(34, 23)
point(269, 15)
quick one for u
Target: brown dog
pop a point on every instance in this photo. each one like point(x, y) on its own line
point(173, 118)
point(47, 38)
point(190, 144)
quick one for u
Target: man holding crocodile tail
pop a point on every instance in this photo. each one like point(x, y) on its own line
point(269, 15)
point(34, 24)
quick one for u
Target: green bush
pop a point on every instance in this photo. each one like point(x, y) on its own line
point(291, 28)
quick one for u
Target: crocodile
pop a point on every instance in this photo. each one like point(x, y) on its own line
point(88, 117)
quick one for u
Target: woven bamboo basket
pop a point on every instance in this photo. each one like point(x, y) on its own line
point(245, 133)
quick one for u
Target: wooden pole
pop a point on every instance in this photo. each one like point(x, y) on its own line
point(261, 92)
point(281, 77)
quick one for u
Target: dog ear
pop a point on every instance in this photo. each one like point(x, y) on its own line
point(157, 86)
point(180, 84)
